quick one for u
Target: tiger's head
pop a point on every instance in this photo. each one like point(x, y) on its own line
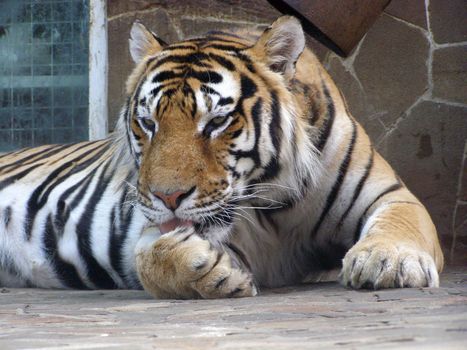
point(212, 124)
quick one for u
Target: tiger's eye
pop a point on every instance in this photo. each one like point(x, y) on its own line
point(214, 123)
point(148, 124)
point(217, 121)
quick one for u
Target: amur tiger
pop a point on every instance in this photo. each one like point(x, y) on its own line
point(235, 165)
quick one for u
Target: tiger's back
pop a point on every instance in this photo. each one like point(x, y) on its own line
point(64, 218)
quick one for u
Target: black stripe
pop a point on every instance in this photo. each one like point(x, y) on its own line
point(7, 213)
point(248, 89)
point(63, 210)
point(36, 157)
point(198, 59)
point(275, 131)
point(159, 40)
point(119, 235)
point(83, 186)
point(247, 86)
point(65, 271)
point(166, 75)
point(95, 272)
point(15, 153)
point(38, 199)
point(343, 168)
point(236, 133)
point(224, 62)
point(256, 111)
point(173, 85)
point(180, 47)
point(190, 58)
point(73, 151)
point(247, 61)
point(210, 77)
point(115, 243)
point(208, 90)
point(136, 98)
point(190, 94)
point(136, 136)
point(22, 161)
point(314, 111)
point(225, 101)
point(156, 90)
point(162, 104)
point(325, 129)
point(257, 116)
point(126, 116)
point(390, 189)
point(359, 187)
point(9, 180)
point(225, 47)
point(222, 100)
point(60, 214)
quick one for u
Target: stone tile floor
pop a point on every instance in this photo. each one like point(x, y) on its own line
point(313, 316)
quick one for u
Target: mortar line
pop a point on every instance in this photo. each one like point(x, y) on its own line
point(447, 102)
point(402, 117)
point(430, 49)
point(447, 45)
point(414, 26)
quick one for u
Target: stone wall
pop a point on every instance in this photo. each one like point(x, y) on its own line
point(405, 82)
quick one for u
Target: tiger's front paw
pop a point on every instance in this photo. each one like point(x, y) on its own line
point(180, 264)
point(388, 265)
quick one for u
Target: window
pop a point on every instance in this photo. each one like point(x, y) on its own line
point(44, 72)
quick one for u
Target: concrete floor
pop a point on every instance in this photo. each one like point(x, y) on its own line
point(323, 315)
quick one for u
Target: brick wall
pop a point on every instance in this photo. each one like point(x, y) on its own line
point(405, 82)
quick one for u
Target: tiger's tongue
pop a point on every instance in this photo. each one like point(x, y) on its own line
point(173, 224)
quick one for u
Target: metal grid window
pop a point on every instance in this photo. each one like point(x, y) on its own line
point(43, 72)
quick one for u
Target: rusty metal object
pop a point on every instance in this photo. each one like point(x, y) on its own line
point(337, 24)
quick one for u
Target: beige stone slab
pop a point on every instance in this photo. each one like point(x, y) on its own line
point(313, 316)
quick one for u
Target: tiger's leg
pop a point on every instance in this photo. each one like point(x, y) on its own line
point(180, 264)
point(398, 247)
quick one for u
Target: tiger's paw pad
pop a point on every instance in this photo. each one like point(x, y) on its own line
point(180, 264)
point(374, 266)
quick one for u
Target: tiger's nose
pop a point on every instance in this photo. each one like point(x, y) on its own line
point(172, 200)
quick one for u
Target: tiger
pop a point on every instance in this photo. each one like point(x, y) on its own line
point(235, 166)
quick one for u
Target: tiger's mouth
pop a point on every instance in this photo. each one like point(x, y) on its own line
point(202, 219)
point(201, 226)
point(173, 224)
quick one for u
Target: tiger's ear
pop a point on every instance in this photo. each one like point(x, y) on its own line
point(143, 42)
point(281, 45)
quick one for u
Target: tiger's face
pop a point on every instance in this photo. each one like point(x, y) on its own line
point(205, 122)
